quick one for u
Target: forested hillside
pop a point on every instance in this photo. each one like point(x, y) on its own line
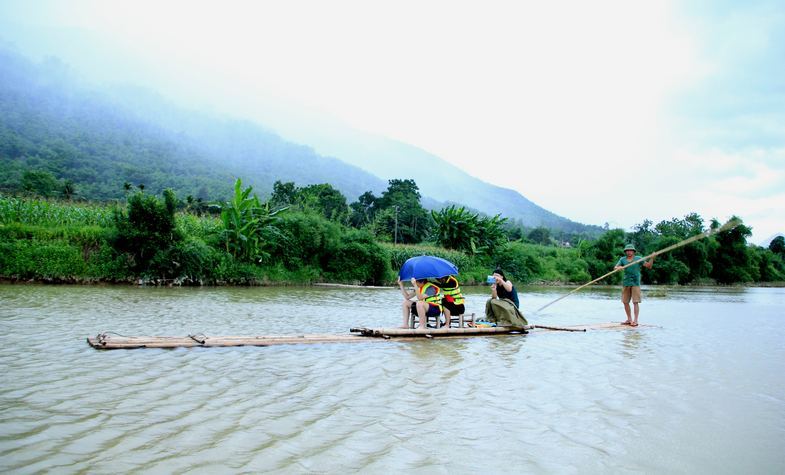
point(56, 135)
point(61, 137)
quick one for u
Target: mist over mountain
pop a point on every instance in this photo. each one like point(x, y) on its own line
point(436, 178)
point(100, 138)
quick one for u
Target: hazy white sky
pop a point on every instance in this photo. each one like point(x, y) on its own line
point(605, 111)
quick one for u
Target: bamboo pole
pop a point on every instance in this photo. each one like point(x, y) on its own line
point(725, 227)
point(112, 341)
point(560, 329)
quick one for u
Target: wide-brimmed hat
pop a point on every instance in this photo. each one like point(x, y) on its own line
point(630, 247)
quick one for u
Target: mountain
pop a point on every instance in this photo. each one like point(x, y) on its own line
point(436, 178)
point(102, 138)
point(51, 121)
point(388, 158)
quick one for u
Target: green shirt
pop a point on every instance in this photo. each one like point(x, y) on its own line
point(632, 274)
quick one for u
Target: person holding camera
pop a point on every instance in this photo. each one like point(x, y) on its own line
point(502, 308)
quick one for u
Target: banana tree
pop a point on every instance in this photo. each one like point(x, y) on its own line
point(456, 228)
point(244, 219)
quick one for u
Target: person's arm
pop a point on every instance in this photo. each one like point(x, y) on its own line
point(403, 290)
point(494, 295)
point(417, 290)
point(618, 265)
point(507, 285)
point(649, 263)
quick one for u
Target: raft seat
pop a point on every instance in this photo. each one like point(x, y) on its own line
point(460, 321)
point(456, 321)
point(414, 320)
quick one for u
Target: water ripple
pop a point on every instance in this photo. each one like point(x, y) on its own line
point(665, 399)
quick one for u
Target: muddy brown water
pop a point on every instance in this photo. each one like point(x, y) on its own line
point(702, 392)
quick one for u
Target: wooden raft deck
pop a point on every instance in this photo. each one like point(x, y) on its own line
point(112, 341)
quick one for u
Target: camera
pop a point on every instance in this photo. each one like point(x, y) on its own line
point(491, 279)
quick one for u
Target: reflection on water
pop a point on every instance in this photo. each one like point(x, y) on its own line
point(631, 342)
point(701, 391)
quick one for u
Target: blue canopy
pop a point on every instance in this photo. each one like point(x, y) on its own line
point(424, 267)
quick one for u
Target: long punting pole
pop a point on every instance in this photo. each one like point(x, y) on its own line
point(725, 227)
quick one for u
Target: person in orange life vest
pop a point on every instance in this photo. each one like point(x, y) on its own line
point(428, 303)
point(453, 301)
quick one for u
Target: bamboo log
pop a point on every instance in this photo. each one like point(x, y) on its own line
point(109, 341)
point(560, 329)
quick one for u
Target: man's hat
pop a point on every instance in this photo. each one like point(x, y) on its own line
point(629, 247)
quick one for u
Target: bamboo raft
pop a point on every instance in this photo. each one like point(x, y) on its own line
point(112, 341)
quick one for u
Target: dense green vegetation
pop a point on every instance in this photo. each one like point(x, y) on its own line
point(310, 234)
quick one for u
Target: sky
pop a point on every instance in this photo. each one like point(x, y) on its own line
point(602, 112)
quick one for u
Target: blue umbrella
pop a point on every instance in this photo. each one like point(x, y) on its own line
point(424, 267)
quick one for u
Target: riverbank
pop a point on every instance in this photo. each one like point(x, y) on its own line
point(77, 243)
point(655, 289)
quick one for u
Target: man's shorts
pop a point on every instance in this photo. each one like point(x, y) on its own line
point(454, 309)
point(633, 293)
point(433, 310)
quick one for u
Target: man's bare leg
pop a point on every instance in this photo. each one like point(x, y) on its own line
point(407, 307)
point(447, 318)
point(421, 312)
point(629, 314)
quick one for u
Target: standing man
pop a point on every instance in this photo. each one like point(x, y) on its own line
point(631, 282)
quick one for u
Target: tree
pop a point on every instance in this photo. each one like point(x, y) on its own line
point(540, 235)
point(39, 182)
point(456, 228)
point(325, 200)
point(732, 261)
point(284, 194)
point(321, 198)
point(146, 228)
point(694, 256)
point(404, 220)
point(245, 222)
point(669, 268)
point(771, 265)
point(491, 234)
point(602, 254)
point(777, 245)
point(363, 211)
point(69, 189)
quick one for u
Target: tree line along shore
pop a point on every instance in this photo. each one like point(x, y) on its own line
point(304, 235)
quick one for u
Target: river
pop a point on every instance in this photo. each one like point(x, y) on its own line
point(700, 391)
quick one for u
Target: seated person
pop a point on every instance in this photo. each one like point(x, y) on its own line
point(502, 307)
point(453, 301)
point(428, 303)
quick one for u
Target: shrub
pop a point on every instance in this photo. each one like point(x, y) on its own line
point(41, 260)
point(190, 259)
point(519, 262)
point(301, 239)
point(401, 252)
point(147, 228)
point(357, 257)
